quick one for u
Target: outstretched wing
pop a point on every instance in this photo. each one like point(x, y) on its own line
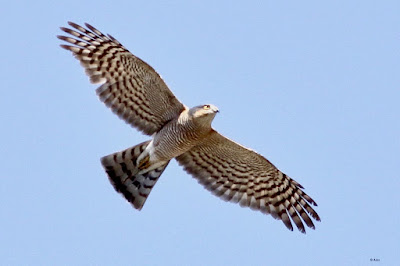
point(237, 174)
point(132, 89)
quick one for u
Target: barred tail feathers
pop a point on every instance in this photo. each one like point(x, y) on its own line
point(123, 173)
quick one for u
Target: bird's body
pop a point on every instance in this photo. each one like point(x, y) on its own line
point(174, 139)
point(137, 94)
point(181, 134)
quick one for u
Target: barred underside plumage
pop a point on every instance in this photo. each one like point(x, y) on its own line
point(239, 175)
point(132, 89)
point(137, 94)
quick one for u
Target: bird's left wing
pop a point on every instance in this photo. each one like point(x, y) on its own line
point(132, 88)
point(237, 174)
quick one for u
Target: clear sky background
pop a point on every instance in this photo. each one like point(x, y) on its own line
point(312, 85)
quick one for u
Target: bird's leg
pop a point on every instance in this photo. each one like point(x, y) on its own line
point(144, 163)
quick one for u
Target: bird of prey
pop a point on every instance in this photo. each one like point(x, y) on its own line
point(135, 92)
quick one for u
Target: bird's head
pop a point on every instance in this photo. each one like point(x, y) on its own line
point(203, 113)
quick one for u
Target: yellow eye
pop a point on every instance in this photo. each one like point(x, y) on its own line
point(206, 107)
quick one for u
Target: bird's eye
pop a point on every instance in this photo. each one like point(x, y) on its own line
point(206, 107)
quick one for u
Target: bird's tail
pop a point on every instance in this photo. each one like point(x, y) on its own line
point(124, 174)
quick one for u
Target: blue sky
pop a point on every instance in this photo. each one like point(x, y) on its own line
point(313, 85)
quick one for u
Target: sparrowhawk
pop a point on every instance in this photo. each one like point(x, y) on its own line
point(135, 92)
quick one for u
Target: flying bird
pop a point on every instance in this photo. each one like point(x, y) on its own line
point(135, 92)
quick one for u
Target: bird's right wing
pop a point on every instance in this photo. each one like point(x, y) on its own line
point(237, 174)
point(132, 89)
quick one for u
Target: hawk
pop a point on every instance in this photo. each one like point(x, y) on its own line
point(135, 92)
